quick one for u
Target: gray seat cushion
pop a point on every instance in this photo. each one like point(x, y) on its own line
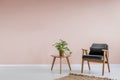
point(92, 57)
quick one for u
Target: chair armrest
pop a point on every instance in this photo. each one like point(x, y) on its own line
point(105, 52)
point(84, 51)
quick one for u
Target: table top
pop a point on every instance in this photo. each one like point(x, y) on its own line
point(58, 56)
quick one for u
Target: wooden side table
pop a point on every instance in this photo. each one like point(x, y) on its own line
point(57, 56)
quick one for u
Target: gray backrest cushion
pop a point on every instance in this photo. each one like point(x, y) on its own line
point(96, 48)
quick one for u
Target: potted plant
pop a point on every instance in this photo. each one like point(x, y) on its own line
point(61, 46)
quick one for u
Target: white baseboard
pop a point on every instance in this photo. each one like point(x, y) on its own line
point(43, 65)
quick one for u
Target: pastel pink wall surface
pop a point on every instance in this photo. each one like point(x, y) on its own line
point(28, 28)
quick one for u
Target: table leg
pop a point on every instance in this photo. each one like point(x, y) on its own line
point(68, 63)
point(54, 58)
point(60, 65)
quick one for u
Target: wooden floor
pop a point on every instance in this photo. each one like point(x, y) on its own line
point(43, 72)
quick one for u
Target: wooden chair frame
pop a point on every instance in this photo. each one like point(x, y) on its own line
point(103, 61)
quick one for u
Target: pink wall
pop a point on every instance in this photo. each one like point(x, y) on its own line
point(28, 28)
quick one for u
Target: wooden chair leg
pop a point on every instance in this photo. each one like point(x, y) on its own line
point(108, 63)
point(108, 67)
point(60, 65)
point(103, 68)
point(54, 58)
point(68, 63)
point(88, 65)
point(82, 65)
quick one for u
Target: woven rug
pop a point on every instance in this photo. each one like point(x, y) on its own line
point(73, 76)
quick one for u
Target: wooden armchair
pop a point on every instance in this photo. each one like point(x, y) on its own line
point(98, 53)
